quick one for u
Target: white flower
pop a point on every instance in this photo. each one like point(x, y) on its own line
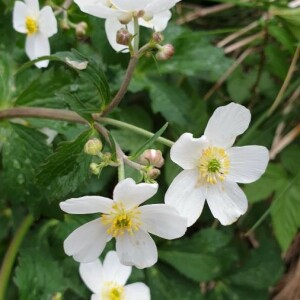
point(38, 24)
point(107, 281)
point(123, 219)
point(151, 13)
point(212, 167)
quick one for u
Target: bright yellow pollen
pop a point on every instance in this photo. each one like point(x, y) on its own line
point(112, 291)
point(31, 25)
point(213, 165)
point(120, 220)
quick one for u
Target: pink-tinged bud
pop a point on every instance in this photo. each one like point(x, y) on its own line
point(152, 157)
point(124, 37)
point(139, 14)
point(125, 18)
point(157, 37)
point(80, 29)
point(93, 146)
point(165, 52)
point(153, 174)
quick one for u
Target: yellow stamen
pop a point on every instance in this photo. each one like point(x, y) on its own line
point(213, 165)
point(120, 220)
point(112, 291)
point(31, 25)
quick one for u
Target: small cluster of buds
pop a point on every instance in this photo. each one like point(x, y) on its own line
point(93, 147)
point(152, 160)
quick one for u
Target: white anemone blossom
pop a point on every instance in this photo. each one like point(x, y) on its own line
point(212, 167)
point(107, 280)
point(38, 24)
point(123, 219)
point(153, 14)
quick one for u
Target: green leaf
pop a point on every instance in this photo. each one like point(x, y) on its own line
point(273, 180)
point(171, 101)
point(196, 56)
point(149, 142)
point(24, 150)
point(6, 79)
point(67, 168)
point(285, 212)
point(165, 284)
point(34, 275)
point(203, 257)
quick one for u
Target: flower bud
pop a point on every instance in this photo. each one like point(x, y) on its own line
point(153, 174)
point(157, 37)
point(152, 157)
point(57, 296)
point(165, 52)
point(147, 16)
point(124, 37)
point(125, 18)
point(93, 146)
point(80, 29)
point(95, 168)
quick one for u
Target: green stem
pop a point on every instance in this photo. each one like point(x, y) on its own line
point(11, 253)
point(136, 35)
point(136, 129)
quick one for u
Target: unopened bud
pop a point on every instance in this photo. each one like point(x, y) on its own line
point(93, 146)
point(153, 173)
point(139, 14)
point(80, 29)
point(64, 24)
point(125, 18)
point(124, 37)
point(157, 37)
point(95, 168)
point(165, 52)
point(152, 157)
point(57, 296)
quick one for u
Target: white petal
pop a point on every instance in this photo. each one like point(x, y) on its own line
point(37, 45)
point(132, 194)
point(19, 16)
point(97, 8)
point(186, 195)
point(137, 250)
point(187, 150)
point(163, 220)
point(87, 205)
point(47, 22)
point(92, 275)
point(226, 201)
point(33, 7)
point(96, 297)
point(247, 163)
point(158, 6)
point(113, 270)
point(159, 21)
point(226, 123)
point(130, 5)
point(87, 242)
point(137, 291)
point(112, 25)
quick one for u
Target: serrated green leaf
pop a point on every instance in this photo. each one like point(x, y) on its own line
point(165, 284)
point(149, 142)
point(171, 102)
point(34, 275)
point(24, 150)
point(203, 257)
point(65, 168)
point(285, 212)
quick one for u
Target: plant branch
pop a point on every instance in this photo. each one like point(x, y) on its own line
point(11, 253)
point(286, 82)
point(123, 89)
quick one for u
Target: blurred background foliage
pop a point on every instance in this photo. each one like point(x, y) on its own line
point(230, 50)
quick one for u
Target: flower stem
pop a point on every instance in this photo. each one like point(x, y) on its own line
point(136, 35)
point(11, 253)
point(136, 129)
